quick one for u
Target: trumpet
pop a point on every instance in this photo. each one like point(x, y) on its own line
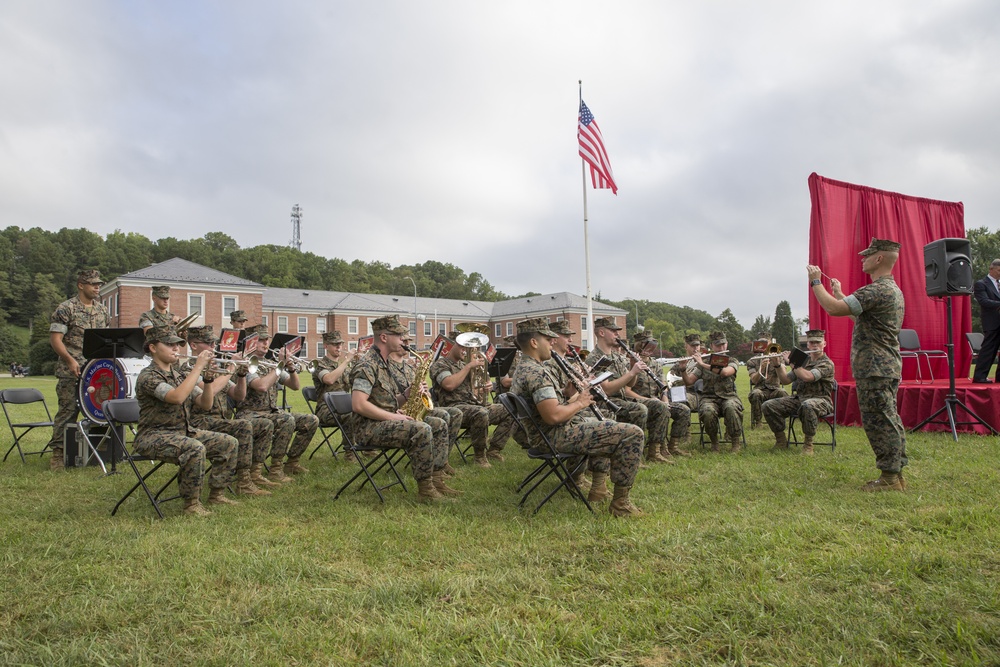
point(677, 360)
point(219, 364)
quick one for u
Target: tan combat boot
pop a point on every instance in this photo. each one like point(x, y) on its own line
point(675, 449)
point(889, 481)
point(480, 459)
point(442, 486)
point(426, 492)
point(257, 476)
point(715, 443)
point(598, 488)
point(449, 471)
point(653, 453)
point(780, 441)
point(277, 473)
point(807, 446)
point(194, 506)
point(621, 505)
point(56, 463)
point(218, 497)
point(246, 487)
point(581, 482)
point(737, 444)
point(293, 467)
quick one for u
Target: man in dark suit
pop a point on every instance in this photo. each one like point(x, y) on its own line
point(987, 293)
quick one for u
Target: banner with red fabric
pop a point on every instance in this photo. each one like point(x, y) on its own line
point(844, 219)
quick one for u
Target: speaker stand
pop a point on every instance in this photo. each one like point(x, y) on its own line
point(951, 401)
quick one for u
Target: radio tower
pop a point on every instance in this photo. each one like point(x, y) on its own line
point(296, 228)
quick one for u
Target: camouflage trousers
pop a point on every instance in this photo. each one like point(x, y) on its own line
point(190, 454)
point(416, 438)
point(680, 420)
point(453, 417)
point(66, 389)
point(731, 409)
point(693, 400)
point(478, 419)
point(649, 414)
point(808, 410)
point(884, 428)
point(760, 394)
point(254, 436)
point(323, 415)
point(286, 424)
point(618, 444)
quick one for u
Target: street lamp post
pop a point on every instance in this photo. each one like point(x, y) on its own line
point(414, 305)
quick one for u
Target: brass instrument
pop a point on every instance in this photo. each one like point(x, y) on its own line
point(219, 365)
point(182, 326)
point(418, 404)
point(473, 336)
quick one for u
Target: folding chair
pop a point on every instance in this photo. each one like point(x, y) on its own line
point(309, 393)
point(830, 419)
point(550, 461)
point(124, 411)
point(975, 343)
point(23, 396)
point(339, 404)
point(909, 346)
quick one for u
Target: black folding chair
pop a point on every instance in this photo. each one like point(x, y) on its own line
point(309, 393)
point(125, 411)
point(909, 346)
point(23, 396)
point(830, 419)
point(339, 404)
point(550, 461)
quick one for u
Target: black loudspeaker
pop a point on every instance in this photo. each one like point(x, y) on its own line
point(948, 268)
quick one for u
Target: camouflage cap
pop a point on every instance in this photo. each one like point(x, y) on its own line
point(260, 329)
point(205, 334)
point(238, 316)
point(816, 335)
point(332, 337)
point(642, 337)
point(880, 245)
point(509, 341)
point(388, 323)
point(693, 339)
point(536, 325)
point(454, 333)
point(561, 327)
point(162, 335)
point(89, 277)
point(162, 291)
point(607, 323)
point(763, 335)
point(717, 337)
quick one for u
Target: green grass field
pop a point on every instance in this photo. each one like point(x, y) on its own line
point(756, 559)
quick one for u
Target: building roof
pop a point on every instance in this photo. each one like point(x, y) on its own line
point(182, 271)
point(549, 302)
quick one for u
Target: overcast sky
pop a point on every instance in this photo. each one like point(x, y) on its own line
point(415, 130)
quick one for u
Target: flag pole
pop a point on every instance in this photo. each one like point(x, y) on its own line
point(586, 240)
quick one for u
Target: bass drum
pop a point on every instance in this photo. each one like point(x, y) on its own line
point(106, 379)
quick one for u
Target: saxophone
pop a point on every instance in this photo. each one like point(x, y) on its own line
point(419, 404)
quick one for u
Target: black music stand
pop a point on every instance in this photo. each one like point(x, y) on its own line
point(502, 361)
point(126, 343)
point(278, 341)
point(951, 401)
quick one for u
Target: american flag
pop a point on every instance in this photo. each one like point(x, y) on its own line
point(592, 151)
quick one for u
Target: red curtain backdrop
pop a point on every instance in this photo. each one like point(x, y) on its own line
point(843, 221)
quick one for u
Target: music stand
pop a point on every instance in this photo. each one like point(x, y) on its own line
point(279, 341)
point(501, 363)
point(125, 343)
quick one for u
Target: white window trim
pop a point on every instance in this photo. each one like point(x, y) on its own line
point(428, 329)
point(370, 320)
point(263, 320)
point(200, 320)
point(236, 306)
point(282, 324)
point(299, 321)
point(497, 330)
point(510, 328)
point(352, 329)
point(352, 345)
point(320, 350)
point(321, 325)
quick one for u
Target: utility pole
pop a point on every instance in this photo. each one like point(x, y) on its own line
point(296, 228)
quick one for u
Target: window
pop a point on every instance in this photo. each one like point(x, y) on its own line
point(352, 328)
point(584, 343)
point(413, 329)
point(583, 323)
point(303, 325)
point(321, 326)
point(510, 328)
point(441, 328)
point(497, 330)
point(559, 318)
point(427, 329)
point(263, 320)
point(229, 304)
point(196, 304)
point(320, 350)
point(370, 332)
point(282, 324)
point(352, 345)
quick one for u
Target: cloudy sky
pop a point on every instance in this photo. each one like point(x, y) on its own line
point(415, 130)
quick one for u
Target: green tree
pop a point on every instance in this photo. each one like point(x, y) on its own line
point(760, 324)
point(736, 335)
point(784, 326)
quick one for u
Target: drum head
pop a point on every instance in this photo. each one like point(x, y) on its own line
point(101, 380)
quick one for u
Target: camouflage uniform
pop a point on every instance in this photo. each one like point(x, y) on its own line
point(324, 366)
point(810, 401)
point(476, 418)
point(70, 319)
point(766, 388)
point(165, 433)
point(440, 419)
point(594, 463)
point(264, 405)
point(620, 444)
point(680, 413)
point(877, 366)
point(649, 414)
point(719, 396)
point(151, 318)
point(370, 375)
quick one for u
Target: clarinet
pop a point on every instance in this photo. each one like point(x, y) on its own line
point(661, 385)
point(579, 381)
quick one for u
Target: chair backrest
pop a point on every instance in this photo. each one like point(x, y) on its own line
point(21, 396)
point(309, 393)
point(121, 410)
point(908, 339)
point(975, 341)
point(338, 402)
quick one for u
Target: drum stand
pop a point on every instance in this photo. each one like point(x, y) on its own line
point(83, 432)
